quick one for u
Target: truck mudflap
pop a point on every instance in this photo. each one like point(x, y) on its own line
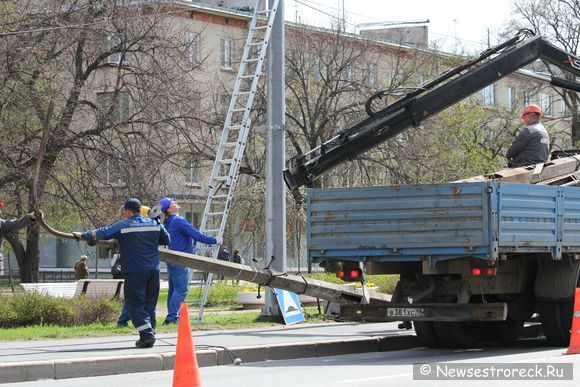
point(424, 312)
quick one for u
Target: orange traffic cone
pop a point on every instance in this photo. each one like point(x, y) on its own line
point(185, 371)
point(575, 332)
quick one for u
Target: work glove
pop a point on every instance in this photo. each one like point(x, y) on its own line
point(77, 236)
point(219, 240)
point(32, 216)
point(37, 214)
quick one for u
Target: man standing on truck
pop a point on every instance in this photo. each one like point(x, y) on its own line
point(532, 145)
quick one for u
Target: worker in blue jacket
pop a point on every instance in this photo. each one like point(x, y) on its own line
point(138, 238)
point(183, 238)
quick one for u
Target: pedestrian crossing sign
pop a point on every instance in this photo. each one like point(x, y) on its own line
point(289, 306)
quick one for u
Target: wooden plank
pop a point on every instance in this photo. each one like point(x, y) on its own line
point(294, 283)
point(532, 173)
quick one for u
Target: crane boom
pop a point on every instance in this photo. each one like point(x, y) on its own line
point(448, 89)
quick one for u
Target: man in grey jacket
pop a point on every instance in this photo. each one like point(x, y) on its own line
point(8, 226)
point(532, 146)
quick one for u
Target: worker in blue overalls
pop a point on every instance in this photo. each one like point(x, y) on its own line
point(183, 238)
point(138, 238)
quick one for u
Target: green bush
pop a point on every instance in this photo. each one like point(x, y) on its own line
point(8, 316)
point(90, 310)
point(385, 282)
point(223, 293)
point(26, 309)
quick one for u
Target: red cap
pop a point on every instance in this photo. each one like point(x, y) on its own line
point(2, 203)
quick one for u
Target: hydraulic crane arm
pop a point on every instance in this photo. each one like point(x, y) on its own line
point(448, 89)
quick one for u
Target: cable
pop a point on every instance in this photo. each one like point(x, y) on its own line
point(236, 360)
point(326, 13)
point(375, 18)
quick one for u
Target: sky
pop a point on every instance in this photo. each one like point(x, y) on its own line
point(452, 22)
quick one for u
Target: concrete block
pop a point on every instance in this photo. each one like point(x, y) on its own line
point(112, 365)
point(249, 354)
point(343, 347)
point(26, 371)
point(397, 343)
point(290, 351)
point(205, 358)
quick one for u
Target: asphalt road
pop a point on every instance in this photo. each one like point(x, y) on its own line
point(368, 370)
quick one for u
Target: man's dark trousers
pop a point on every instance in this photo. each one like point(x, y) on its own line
point(141, 294)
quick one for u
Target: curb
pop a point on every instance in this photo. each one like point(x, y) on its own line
point(126, 364)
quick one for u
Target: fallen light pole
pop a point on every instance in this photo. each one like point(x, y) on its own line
point(354, 305)
point(266, 277)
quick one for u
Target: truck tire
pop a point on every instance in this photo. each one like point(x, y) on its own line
point(556, 318)
point(506, 331)
point(461, 334)
point(426, 334)
point(509, 331)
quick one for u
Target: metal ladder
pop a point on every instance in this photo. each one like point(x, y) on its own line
point(235, 132)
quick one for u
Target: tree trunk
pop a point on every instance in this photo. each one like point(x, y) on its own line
point(32, 257)
point(28, 258)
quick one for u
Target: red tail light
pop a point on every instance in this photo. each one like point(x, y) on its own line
point(349, 274)
point(483, 271)
point(490, 271)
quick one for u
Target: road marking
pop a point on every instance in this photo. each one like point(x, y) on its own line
point(371, 379)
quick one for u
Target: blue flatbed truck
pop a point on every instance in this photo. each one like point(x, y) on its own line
point(475, 245)
point(477, 258)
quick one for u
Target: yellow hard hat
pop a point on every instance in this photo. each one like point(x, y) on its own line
point(144, 211)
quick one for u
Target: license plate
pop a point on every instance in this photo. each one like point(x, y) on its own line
point(405, 312)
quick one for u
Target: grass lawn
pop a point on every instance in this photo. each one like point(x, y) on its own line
point(221, 313)
point(211, 321)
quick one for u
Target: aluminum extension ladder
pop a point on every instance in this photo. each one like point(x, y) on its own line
point(235, 132)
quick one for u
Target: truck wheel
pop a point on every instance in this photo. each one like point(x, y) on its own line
point(461, 334)
point(508, 331)
point(426, 334)
point(556, 318)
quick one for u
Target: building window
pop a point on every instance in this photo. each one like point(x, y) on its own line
point(226, 53)
point(349, 73)
point(194, 171)
point(510, 98)
point(489, 95)
point(320, 70)
point(114, 106)
point(109, 171)
point(224, 103)
point(193, 52)
point(372, 75)
point(546, 104)
point(565, 109)
point(291, 72)
point(527, 97)
point(119, 57)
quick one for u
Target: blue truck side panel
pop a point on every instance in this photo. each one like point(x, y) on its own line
point(443, 221)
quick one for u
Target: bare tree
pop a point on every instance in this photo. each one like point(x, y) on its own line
point(115, 142)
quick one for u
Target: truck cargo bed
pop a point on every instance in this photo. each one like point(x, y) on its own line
point(442, 221)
